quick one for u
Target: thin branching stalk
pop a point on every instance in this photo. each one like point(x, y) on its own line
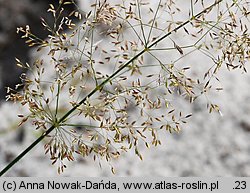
point(100, 87)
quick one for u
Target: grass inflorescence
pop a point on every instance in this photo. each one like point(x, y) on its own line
point(106, 83)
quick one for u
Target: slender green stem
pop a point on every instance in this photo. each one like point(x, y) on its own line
point(21, 155)
point(141, 23)
point(57, 98)
point(192, 8)
point(97, 88)
point(153, 22)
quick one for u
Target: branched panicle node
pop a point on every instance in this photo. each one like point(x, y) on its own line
point(106, 79)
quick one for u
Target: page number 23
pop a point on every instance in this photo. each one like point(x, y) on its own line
point(240, 185)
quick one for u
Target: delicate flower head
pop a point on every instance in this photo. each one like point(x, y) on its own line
point(106, 14)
